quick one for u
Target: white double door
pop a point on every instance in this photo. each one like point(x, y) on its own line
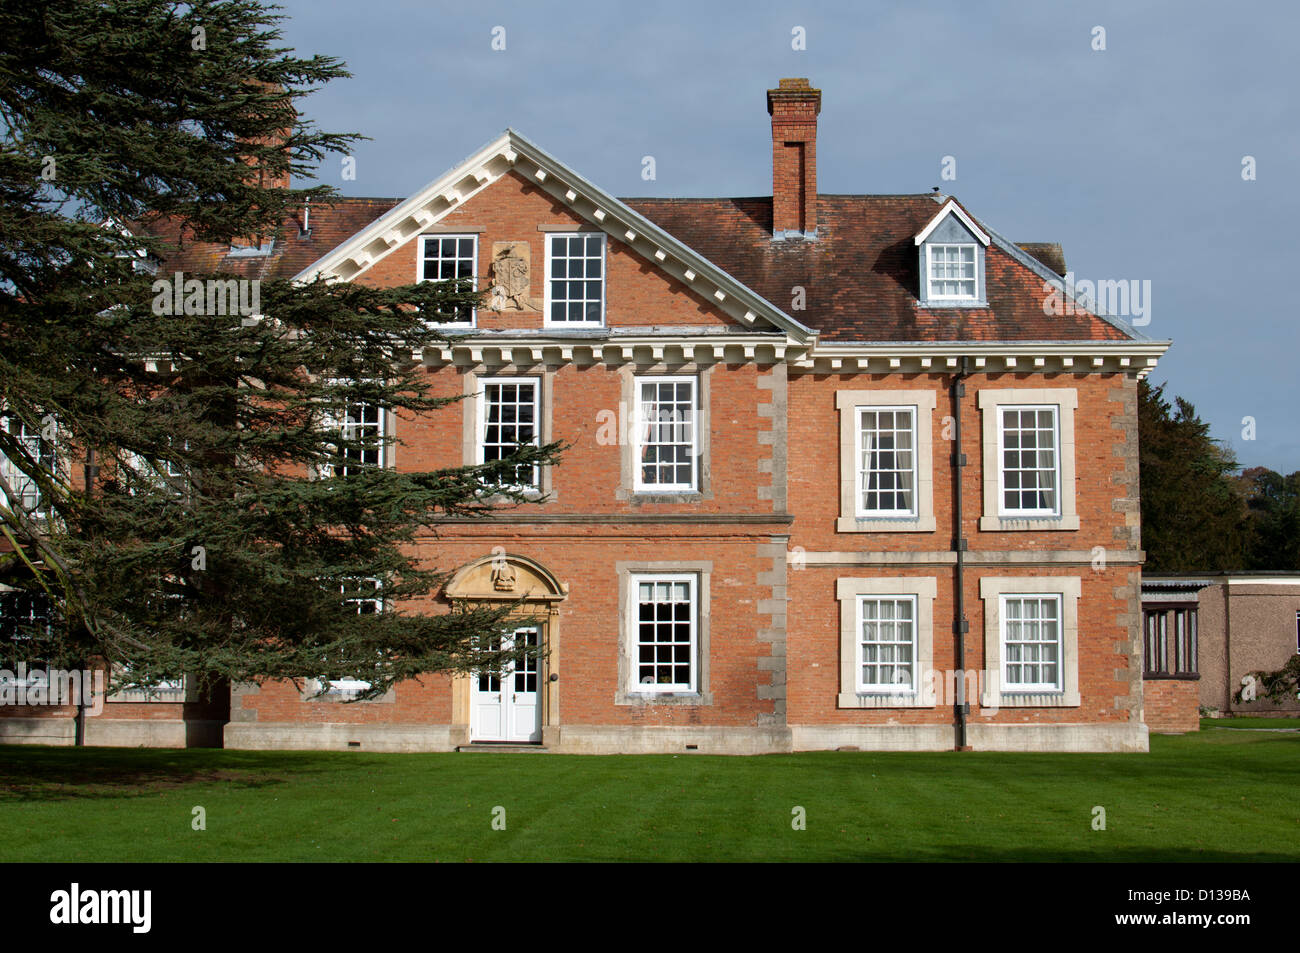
point(506, 705)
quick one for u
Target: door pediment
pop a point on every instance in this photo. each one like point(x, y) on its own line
point(505, 577)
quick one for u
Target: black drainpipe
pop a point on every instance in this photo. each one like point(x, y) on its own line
point(959, 625)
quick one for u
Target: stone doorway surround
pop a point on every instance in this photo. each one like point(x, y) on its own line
point(502, 577)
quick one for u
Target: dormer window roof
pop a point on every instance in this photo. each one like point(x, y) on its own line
point(951, 259)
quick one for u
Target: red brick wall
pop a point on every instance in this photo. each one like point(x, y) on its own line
point(813, 648)
point(1171, 705)
point(815, 462)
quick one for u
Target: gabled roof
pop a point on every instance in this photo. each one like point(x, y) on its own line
point(861, 274)
point(513, 152)
point(951, 207)
point(291, 249)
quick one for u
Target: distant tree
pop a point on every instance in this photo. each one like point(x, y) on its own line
point(1193, 512)
point(1277, 687)
point(1273, 519)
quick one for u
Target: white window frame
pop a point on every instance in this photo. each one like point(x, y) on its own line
point(852, 592)
point(38, 673)
point(456, 236)
point(1056, 600)
point(1053, 512)
point(635, 581)
point(1068, 589)
point(604, 279)
point(861, 472)
point(909, 687)
point(480, 437)
point(638, 484)
point(167, 477)
point(931, 295)
point(335, 425)
point(852, 518)
point(994, 517)
point(19, 480)
point(354, 686)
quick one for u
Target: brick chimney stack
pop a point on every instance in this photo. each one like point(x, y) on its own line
point(794, 106)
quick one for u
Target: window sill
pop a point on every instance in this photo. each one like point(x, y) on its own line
point(1030, 699)
point(666, 496)
point(646, 699)
point(882, 524)
point(339, 696)
point(863, 700)
point(496, 496)
point(1021, 523)
point(1170, 677)
point(136, 696)
point(953, 303)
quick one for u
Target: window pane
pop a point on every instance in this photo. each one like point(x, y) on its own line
point(1029, 461)
point(451, 257)
point(666, 433)
point(1031, 642)
point(887, 644)
point(664, 645)
point(886, 462)
point(510, 422)
point(577, 278)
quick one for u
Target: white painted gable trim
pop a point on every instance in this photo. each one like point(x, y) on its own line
point(952, 208)
point(510, 151)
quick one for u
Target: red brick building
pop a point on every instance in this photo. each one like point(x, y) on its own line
point(827, 451)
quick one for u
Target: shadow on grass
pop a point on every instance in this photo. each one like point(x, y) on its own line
point(37, 773)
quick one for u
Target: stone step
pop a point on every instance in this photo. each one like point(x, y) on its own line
point(499, 746)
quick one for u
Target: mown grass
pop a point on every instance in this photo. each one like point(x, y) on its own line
point(1238, 721)
point(1210, 796)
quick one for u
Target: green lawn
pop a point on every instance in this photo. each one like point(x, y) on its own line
point(1248, 722)
point(1214, 795)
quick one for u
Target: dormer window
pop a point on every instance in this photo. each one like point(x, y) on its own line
point(951, 272)
point(951, 260)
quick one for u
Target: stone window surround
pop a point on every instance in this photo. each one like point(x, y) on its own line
point(990, 402)
point(848, 591)
point(624, 693)
point(848, 402)
point(471, 419)
point(628, 378)
point(992, 589)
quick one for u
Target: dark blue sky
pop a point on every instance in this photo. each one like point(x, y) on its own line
point(1131, 158)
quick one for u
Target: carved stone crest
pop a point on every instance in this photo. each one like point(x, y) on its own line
point(511, 277)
